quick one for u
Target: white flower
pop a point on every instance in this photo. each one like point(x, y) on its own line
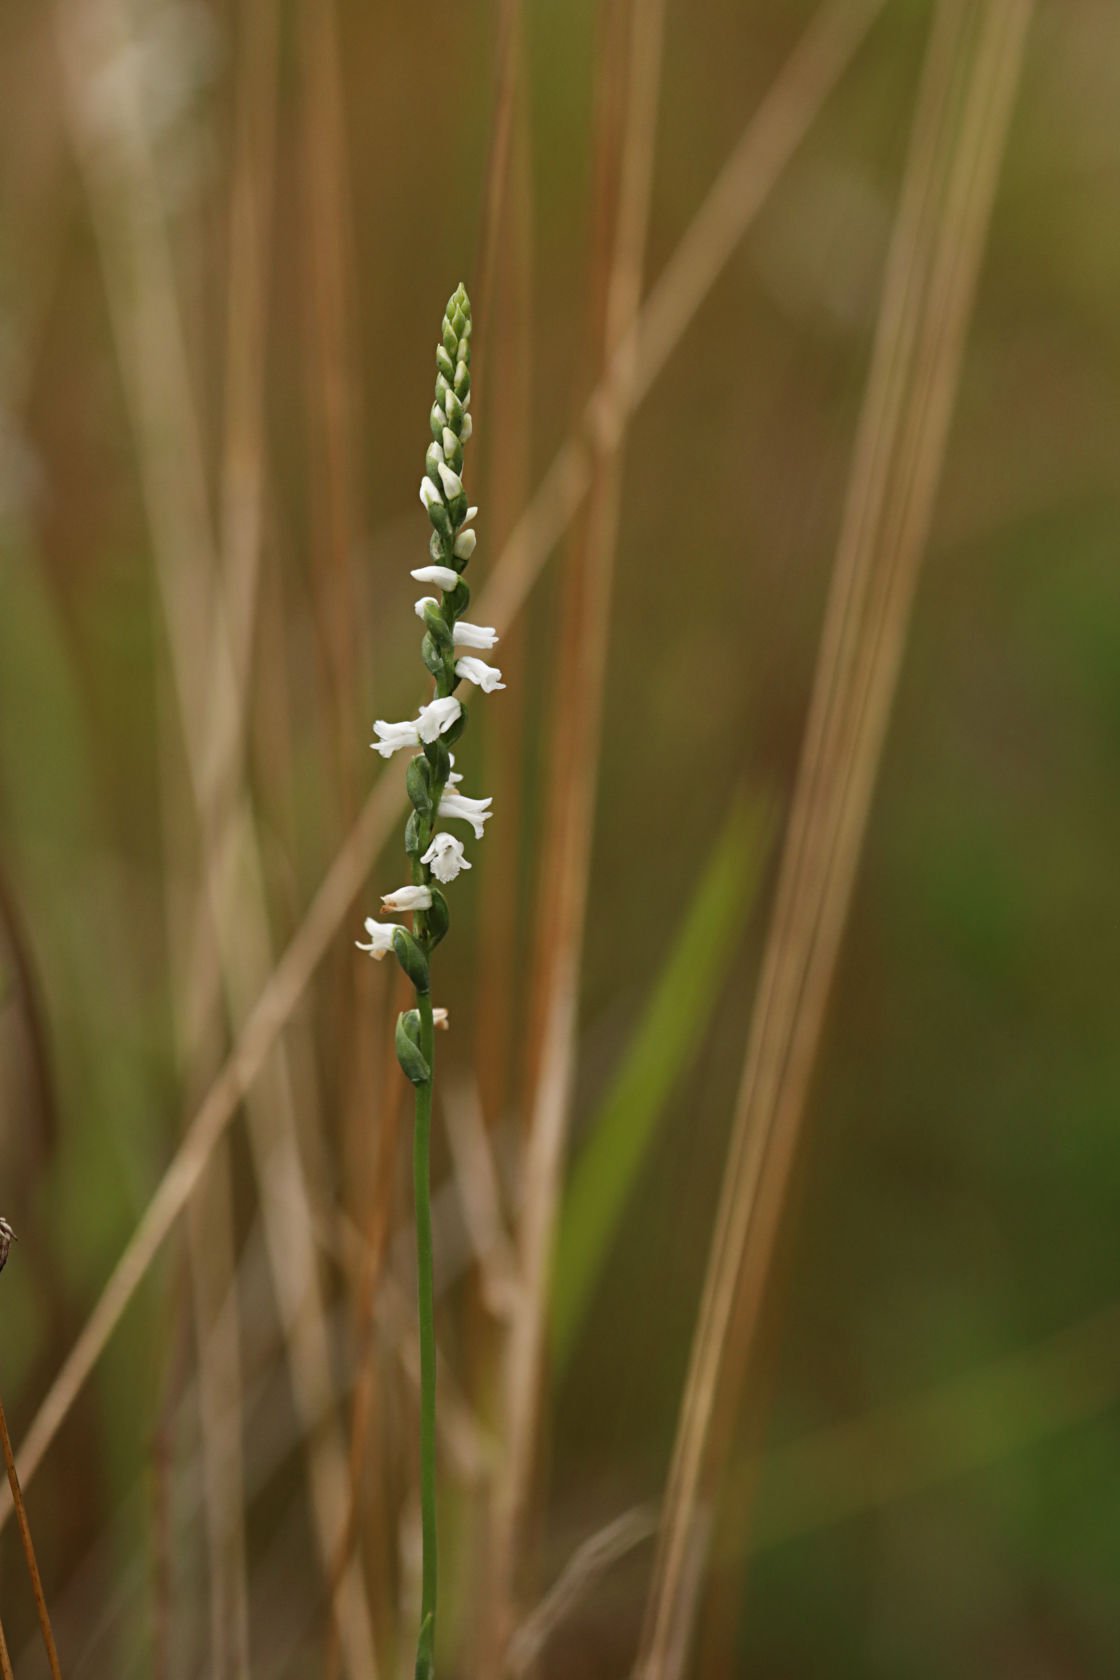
point(437, 718)
point(452, 483)
point(393, 736)
point(425, 601)
point(474, 811)
point(464, 544)
point(439, 1019)
point(380, 938)
point(472, 635)
point(443, 576)
point(407, 898)
point(470, 513)
point(445, 856)
point(467, 427)
point(488, 677)
point(453, 775)
point(429, 492)
point(450, 442)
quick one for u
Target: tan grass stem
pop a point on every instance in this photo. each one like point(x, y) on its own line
point(931, 280)
point(29, 1550)
point(569, 818)
point(124, 190)
point(553, 506)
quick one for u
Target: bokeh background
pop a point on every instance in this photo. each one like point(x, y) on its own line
point(227, 232)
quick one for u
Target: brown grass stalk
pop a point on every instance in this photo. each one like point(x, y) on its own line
point(927, 301)
point(28, 1552)
point(506, 393)
point(570, 809)
point(210, 1221)
point(802, 86)
point(124, 192)
point(331, 398)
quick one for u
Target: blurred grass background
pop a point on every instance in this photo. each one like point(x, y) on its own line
point(227, 230)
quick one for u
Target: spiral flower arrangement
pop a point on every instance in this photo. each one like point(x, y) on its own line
point(437, 856)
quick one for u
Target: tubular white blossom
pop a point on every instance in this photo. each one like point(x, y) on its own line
point(424, 601)
point(407, 898)
point(444, 856)
point(452, 483)
point(443, 576)
point(394, 736)
point(380, 938)
point(437, 718)
point(473, 635)
point(429, 493)
point(488, 677)
point(474, 811)
point(467, 428)
point(464, 545)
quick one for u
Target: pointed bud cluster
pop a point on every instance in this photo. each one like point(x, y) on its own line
point(437, 857)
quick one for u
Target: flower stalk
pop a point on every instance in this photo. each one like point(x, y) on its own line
point(436, 857)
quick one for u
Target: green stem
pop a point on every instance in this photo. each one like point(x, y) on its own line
point(421, 1174)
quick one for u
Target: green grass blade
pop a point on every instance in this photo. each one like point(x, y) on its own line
point(660, 1052)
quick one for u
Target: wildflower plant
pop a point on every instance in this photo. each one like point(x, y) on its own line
point(437, 856)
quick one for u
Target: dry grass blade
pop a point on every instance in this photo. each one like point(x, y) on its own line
point(802, 86)
point(28, 1551)
point(210, 1223)
point(938, 241)
point(586, 1564)
point(890, 1454)
point(5, 1659)
point(209, 663)
point(569, 824)
point(742, 187)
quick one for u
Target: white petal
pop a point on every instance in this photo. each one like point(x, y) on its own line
point(380, 938)
point(408, 898)
point(442, 576)
point(464, 544)
point(474, 811)
point(474, 635)
point(429, 492)
point(445, 857)
point(468, 427)
point(488, 677)
point(393, 736)
point(437, 718)
point(452, 483)
point(424, 601)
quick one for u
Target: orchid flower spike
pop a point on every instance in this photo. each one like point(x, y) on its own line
point(436, 857)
